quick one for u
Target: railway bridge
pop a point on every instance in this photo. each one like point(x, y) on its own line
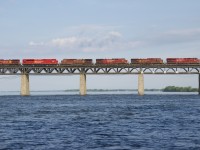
point(83, 70)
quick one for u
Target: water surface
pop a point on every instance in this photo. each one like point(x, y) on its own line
point(120, 121)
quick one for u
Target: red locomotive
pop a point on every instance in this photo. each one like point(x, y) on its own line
point(39, 61)
point(183, 61)
point(10, 62)
point(76, 62)
point(147, 61)
point(111, 61)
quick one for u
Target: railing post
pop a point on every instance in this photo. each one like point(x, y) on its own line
point(141, 84)
point(25, 85)
point(83, 88)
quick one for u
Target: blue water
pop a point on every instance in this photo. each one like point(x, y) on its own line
point(100, 122)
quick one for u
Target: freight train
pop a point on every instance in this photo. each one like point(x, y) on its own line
point(114, 61)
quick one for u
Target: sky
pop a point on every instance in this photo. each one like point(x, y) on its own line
point(99, 29)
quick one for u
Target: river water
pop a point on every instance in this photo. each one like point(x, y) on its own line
point(100, 121)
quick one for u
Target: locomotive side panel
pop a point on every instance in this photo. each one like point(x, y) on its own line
point(183, 61)
point(111, 61)
point(10, 62)
point(147, 61)
point(76, 62)
point(39, 61)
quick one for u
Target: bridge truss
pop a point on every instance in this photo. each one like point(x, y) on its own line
point(99, 69)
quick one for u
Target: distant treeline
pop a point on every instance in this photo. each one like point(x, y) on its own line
point(166, 89)
point(179, 89)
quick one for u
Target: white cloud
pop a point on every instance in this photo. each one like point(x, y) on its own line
point(115, 34)
point(96, 39)
point(85, 43)
point(36, 43)
point(88, 38)
point(64, 42)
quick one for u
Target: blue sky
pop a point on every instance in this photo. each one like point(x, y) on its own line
point(100, 29)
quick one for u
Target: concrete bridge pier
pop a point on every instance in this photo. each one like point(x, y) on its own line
point(83, 88)
point(141, 84)
point(25, 85)
point(199, 84)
